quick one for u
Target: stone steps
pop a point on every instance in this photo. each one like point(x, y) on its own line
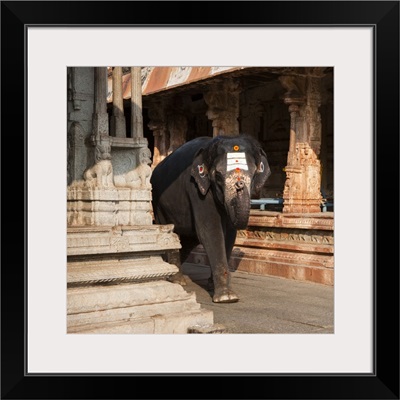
point(150, 307)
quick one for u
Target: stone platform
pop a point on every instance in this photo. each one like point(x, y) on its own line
point(157, 307)
point(294, 246)
point(117, 283)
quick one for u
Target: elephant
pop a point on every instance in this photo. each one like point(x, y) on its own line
point(204, 188)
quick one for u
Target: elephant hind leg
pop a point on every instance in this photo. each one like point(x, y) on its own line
point(174, 258)
point(188, 244)
point(178, 257)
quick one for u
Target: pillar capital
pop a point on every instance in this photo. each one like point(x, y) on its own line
point(223, 107)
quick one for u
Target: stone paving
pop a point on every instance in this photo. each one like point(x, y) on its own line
point(267, 304)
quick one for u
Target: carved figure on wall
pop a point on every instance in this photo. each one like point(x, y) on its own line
point(100, 175)
point(139, 176)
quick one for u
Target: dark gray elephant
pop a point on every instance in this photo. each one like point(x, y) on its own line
point(204, 189)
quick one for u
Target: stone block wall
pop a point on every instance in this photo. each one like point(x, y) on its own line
point(293, 246)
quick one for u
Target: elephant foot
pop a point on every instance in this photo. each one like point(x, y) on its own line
point(225, 296)
point(177, 278)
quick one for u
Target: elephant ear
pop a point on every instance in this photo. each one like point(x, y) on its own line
point(200, 173)
point(263, 171)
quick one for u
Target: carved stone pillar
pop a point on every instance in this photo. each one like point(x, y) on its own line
point(136, 103)
point(223, 108)
point(116, 275)
point(100, 116)
point(158, 125)
point(302, 190)
point(118, 127)
point(100, 175)
point(76, 159)
point(177, 128)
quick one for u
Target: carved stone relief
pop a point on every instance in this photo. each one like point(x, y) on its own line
point(302, 190)
point(292, 235)
point(223, 107)
point(100, 175)
point(139, 176)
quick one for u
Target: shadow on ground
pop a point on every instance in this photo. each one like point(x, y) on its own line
point(267, 304)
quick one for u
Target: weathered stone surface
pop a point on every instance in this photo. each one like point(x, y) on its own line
point(99, 298)
point(114, 194)
point(302, 189)
point(322, 221)
point(135, 312)
point(116, 277)
point(122, 239)
point(108, 207)
point(216, 328)
point(151, 307)
point(132, 168)
point(112, 269)
point(223, 107)
point(298, 246)
point(178, 323)
point(276, 263)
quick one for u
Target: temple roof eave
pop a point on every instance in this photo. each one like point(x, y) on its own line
point(160, 80)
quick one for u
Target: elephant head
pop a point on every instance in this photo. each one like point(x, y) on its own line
point(233, 168)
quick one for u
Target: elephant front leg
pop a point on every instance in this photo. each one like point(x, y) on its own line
point(220, 281)
point(221, 277)
point(220, 274)
point(211, 234)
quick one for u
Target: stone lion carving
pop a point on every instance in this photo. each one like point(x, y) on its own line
point(139, 178)
point(100, 175)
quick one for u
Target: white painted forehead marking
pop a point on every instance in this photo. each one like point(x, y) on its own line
point(236, 160)
point(236, 155)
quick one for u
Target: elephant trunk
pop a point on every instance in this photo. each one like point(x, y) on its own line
point(239, 206)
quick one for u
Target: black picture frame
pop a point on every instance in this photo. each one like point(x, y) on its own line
point(383, 383)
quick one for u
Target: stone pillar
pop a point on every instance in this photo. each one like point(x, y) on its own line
point(302, 190)
point(177, 127)
point(116, 275)
point(136, 103)
point(76, 159)
point(118, 127)
point(100, 174)
point(100, 116)
point(158, 125)
point(312, 114)
point(223, 108)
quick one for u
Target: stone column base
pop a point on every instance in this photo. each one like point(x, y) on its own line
point(117, 283)
point(157, 307)
point(293, 206)
point(108, 207)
